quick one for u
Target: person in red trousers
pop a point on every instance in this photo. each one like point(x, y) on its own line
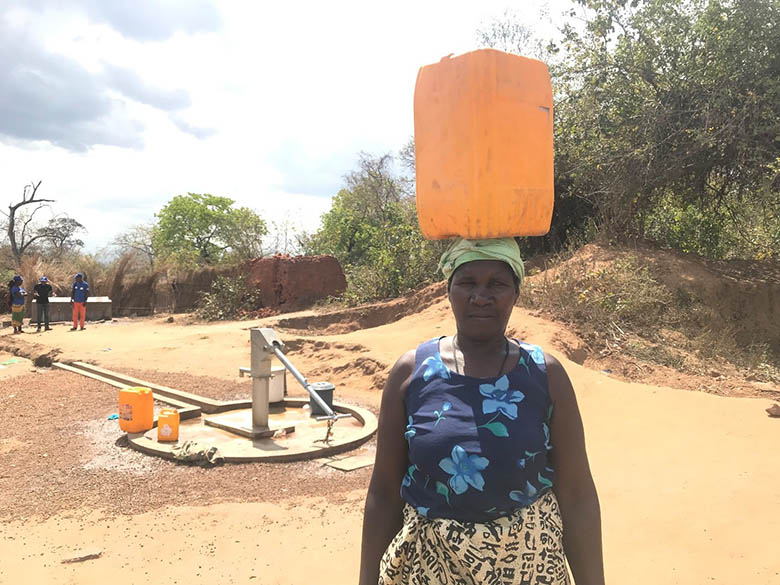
point(78, 298)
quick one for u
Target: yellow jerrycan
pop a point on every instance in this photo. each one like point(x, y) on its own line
point(483, 134)
point(136, 410)
point(168, 425)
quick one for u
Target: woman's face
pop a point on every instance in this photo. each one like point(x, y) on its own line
point(482, 294)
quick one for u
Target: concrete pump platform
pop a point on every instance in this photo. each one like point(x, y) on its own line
point(306, 442)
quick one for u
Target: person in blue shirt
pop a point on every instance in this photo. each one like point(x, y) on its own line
point(78, 298)
point(17, 303)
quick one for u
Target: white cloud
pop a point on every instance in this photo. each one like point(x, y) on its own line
point(119, 109)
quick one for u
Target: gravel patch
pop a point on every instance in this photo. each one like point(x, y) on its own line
point(211, 387)
point(60, 453)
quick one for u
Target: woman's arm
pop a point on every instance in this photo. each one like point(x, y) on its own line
point(382, 518)
point(574, 486)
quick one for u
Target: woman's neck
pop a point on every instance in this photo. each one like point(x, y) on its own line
point(472, 346)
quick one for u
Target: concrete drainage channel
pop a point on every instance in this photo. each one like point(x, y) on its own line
point(286, 429)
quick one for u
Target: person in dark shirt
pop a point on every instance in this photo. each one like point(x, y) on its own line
point(78, 297)
point(41, 294)
point(17, 304)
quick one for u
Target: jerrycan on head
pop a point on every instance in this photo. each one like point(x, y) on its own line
point(483, 133)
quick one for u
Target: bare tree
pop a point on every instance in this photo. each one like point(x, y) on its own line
point(508, 33)
point(139, 240)
point(20, 226)
point(284, 237)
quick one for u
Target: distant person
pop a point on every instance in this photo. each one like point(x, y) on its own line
point(17, 303)
point(78, 297)
point(41, 293)
point(481, 474)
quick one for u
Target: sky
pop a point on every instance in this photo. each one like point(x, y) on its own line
point(119, 106)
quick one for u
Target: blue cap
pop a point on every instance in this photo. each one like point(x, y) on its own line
point(18, 278)
point(79, 275)
point(43, 279)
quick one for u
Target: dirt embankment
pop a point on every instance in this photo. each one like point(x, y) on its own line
point(366, 316)
point(285, 283)
point(663, 315)
point(743, 296)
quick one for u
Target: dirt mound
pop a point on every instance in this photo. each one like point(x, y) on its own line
point(678, 310)
point(366, 316)
point(300, 344)
point(744, 293)
point(134, 296)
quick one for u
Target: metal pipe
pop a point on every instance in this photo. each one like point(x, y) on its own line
point(298, 376)
point(261, 377)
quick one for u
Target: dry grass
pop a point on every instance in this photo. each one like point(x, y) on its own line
point(619, 304)
point(100, 275)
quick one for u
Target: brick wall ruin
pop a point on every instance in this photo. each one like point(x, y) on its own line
point(285, 283)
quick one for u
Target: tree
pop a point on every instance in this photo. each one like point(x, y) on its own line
point(245, 233)
point(372, 229)
point(25, 233)
point(285, 237)
point(139, 241)
point(661, 97)
point(406, 156)
point(20, 220)
point(506, 33)
point(60, 234)
point(667, 107)
point(207, 229)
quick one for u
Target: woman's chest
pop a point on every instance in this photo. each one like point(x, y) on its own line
point(494, 421)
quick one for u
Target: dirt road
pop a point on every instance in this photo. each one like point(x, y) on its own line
point(688, 481)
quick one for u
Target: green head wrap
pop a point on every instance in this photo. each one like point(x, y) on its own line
point(502, 249)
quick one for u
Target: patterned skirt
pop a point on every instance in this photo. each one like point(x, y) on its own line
point(525, 548)
point(17, 313)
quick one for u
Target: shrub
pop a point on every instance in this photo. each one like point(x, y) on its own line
point(622, 294)
point(229, 298)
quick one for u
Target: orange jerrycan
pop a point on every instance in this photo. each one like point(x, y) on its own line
point(136, 410)
point(168, 425)
point(483, 134)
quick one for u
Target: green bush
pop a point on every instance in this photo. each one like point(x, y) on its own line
point(229, 298)
point(747, 228)
point(372, 229)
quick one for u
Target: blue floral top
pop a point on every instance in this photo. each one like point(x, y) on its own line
point(478, 447)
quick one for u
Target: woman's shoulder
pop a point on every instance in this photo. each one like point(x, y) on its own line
point(531, 348)
point(403, 370)
point(407, 362)
point(400, 374)
point(558, 383)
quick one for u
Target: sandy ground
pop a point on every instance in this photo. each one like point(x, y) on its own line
point(689, 481)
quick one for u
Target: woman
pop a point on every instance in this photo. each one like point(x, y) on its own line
point(17, 303)
point(483, 437)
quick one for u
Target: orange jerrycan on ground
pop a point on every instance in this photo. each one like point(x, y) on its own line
point(483, 134)
point(136, 410)
point(168, 425)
